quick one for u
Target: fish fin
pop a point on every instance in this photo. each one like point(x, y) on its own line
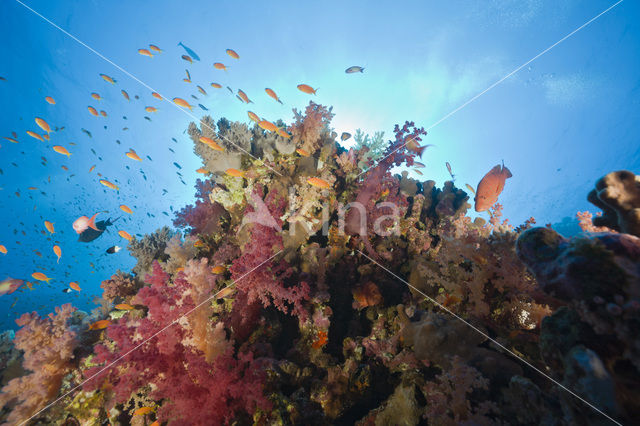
point(496, 170)
point(361, 69)
point(92, 223)
point(507, 172)
point(420, 150)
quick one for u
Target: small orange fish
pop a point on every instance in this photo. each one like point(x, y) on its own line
point(155, 48)
point(61, 150)
point(46, 137)
point(470, 188)
point(58, 251)
point(272, 94)
point(187, 58)
point(40, 276)
point(126, 209)
point(156, 95)
point(267, 125)
point(43, 124)
point(50, 100)
point(233, 54)
point(151, 109)
point(96, 96)
point(125, 235)
point(181, 102)
point(65, 168)
point(418, 172)
point(211, 143)
point(307, 89)
point(124, 307)
point(253, 116)
point(145, 52)
point(219, 66)
point(321, 340)
point(49, 226)
point(35, 135)
point(302, 152)
point(283, 134)
point(133, 155)
point(107, 78)
point(100, 325)
point(125, 94)
point(202, 171)
point(450, 300)
point(216, 85)
point(3, 249)
point(225, 292)
point(143, 411)
point(234, 173)
point(244, 97)
point(490, 187)
point(103, 113)
point(109, 184)
point(418, 164)
point(11, 139)
point(220, 269)
point(414, 146)
point(156, 423)
point(74, 285)
point(201, 90)
point(319, 183)
point(92, 110)
point(91, 168)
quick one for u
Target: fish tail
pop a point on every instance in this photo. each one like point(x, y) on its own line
point(361, 69)
point(420, 150)
point(92, 222)
point(280, 102)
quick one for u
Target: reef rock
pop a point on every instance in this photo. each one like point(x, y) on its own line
point(618, 195)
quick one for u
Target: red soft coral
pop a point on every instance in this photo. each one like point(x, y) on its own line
point(202, 217)
point(192, 390)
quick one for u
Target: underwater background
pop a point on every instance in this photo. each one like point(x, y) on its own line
point(560, 122)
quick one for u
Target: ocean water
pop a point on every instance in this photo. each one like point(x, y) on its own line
point(492, 82)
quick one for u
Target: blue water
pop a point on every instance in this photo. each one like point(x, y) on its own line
point(559, 123)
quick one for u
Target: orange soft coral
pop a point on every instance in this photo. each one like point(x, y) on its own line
point(308, 128)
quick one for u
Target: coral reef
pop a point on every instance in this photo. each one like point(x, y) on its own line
point(358, 297)
point(618, 195)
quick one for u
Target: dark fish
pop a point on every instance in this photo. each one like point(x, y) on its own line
point(172, 150)
point(87, 132)
point(195, 97)
point(190, 52)
point(175, 140)
point(66, 290)
point(203, 107)
point(91, 234)
point(344, 136)
point(147, 118)
point(177, 165)
point(149, 158)
point(230, 89)
point(3, 79)
point(114, 249)
point(354, 69)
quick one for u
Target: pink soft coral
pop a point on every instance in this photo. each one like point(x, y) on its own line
point(48, 346)
point(192, 390)
point(202, 217)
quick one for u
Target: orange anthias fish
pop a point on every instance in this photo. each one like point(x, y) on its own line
point(211, 143)
point(181, 102)
point(82, 223)
point(187, 58)
point(61, 150)
point(143, 411)
point(220, 269)
point(234, 173)
point(272, 94)
point(126, 209)
point(91, 168)
point(96, 96)
point(124, 307)
point(302, 152)
point(307, 89)
point(9, 285)
point(283, 134)
point(253, 116)
point(107, 78)
point(11, 139)
point(40, 276)
point(58, 252)
point(145, 52)
point(3, 249)
point(92, 110)
point(125, 235)
point(50, 100)
point(100, 325)
point(244, 97)
point(319, 183)
point(103, 113)
point(490, 187)
point(133, 155)
point(151, 109)
point(43, 124)
point(202, 171)
point(109, 184)
point(75, 286)
point(201, 90)
point(233, 54)
point(216, 85)
point(35, 135)
point(267, 125)
point(155, 48)
point(219, 66)
point(225, 292)
point(125, 94)
point(156, 95)
point(414, 146)
point(49, 226)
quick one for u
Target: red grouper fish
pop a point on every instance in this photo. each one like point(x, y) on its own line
point(490, 187)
